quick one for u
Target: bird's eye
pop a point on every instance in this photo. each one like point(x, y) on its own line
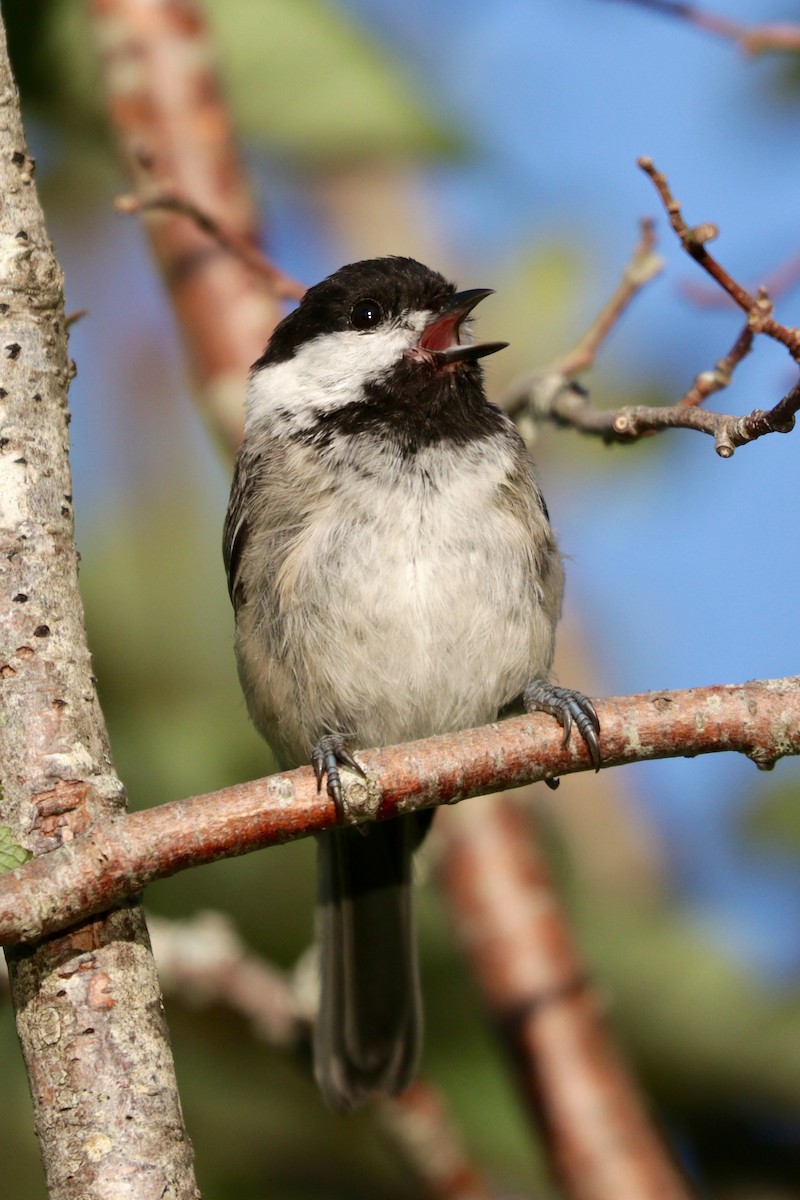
point(366, 314)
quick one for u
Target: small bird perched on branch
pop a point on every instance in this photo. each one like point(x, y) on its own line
point(394, 575)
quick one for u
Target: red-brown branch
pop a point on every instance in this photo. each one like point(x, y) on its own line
point(537, 390)
point(708, 382)
point(693, 240)
point(552, 394)
point(777, 282)
point(118, 858)
point(282, 286)
point(175, 136)
point(752, 39)
point(600, 1139)
point(203, 961)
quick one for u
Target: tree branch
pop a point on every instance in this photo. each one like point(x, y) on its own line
point(204, 962)
point(157, 843)
point(538, 393)
point(694, 239)
point(281, 285)
point(780, 280)
point(175, 136)
point(752, 39)
point(552, 394)
point(118, 858)
point(88, 1006)
point(420, 1124)
point(600, 1139)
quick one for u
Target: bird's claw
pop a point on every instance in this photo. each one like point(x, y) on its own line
point(329, 752)
point(567, 706)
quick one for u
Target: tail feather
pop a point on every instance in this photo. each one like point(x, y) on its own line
point(369, 1028)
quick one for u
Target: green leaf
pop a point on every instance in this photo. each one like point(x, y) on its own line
point(11, 855)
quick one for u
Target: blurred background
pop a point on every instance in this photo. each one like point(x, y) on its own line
point(498, 144)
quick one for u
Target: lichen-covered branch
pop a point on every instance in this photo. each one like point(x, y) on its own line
point(120, 857)
point(87, 1003)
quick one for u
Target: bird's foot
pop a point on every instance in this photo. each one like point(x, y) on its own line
point(567, 706)
point(329, 752)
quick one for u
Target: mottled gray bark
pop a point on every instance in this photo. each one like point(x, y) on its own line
point(87, 1002)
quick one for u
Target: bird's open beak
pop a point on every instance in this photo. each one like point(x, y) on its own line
point(440, 338)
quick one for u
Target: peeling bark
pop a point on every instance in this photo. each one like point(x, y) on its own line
point(87, 1003)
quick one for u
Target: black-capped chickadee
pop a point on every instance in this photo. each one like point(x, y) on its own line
point(394, 575)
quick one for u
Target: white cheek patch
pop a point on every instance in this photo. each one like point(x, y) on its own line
point(328, 372)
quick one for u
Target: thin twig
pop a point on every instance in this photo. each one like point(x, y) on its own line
point(694, 239)
point(572, 407)
point(777, 282)
point(552, 394)
point(752, 39)
point(708, 382)
point(118, 858)
point(631, 423)
point(281, 285)
point(643, 265)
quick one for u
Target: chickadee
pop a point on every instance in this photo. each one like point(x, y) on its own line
point(394, 575)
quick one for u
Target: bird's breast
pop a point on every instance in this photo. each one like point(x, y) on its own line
point(411, 600)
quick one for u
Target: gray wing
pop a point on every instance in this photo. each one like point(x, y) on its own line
point(236, 529)
point(274, 485)
point(521, 496)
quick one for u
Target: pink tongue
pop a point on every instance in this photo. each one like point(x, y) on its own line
point(441, 334)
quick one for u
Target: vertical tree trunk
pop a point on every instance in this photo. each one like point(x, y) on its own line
point(88, 1005)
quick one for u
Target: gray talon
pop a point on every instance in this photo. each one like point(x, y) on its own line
point(330, 750)
point(343, 755)
point(567, 706)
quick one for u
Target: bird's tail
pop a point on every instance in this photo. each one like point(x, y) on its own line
point(369, 1028)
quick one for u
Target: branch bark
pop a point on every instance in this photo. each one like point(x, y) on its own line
point(552, 393)
point(175, 137)
point(751, 39)
point(203, 960)
point(118, 858)
point(87, 1004)
point(600, 1139)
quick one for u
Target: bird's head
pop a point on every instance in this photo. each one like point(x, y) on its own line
point(386, 329)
